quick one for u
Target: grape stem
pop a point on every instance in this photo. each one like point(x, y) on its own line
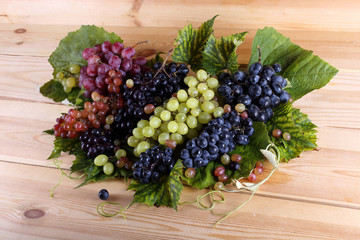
point(163, 65)
point(138, 43)
point(259, 54)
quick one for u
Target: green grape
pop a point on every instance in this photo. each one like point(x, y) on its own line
point(158, 111)
point(182, 95)
point(177, 138)
point(201, 75)
point(193, 92)
point(225, 159)
point(192, 103)
point(202, 87)
point(137, 132)
point(142, 123)
point(172, 105)
point(163, 137)
point(173, 126)
point(186, 80)
point(195, 112)
point(165, 115)
point(208, 107)
point(218, 112)
point(132, 141)
point(192, 133)
point(216, 103)
point(142, 147)
point(135, 152)
point(180, 117)
point(212, 83)
point(74, 68)
point(191, 121)
point(240, 107)
point(192, 82)
point(60, 75)
point(67, 89)
point(70, 82)
point(120, 153)
point(164, 127)
point(182, 129)
point(204, 118)
point(208, 94)
point(183, 108)
point(156, 134)
point(108, 168)
point(100, 160)
point(148, 131)
point(155, 122)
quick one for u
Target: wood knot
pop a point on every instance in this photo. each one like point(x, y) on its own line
point(20, 30)
point(34, 213)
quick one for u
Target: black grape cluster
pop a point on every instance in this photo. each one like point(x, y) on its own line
point(152, 164)
point(97, 141)
point(147, 90)
point(220, 136)
point(260, 90)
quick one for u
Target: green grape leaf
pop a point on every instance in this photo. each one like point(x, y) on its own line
point(250, 154)
point(63, 145)
point(70, 48)
point(164, 193)
point(302, 131)
point(54, 90)
point(191, 44)
point(220, 54)
point(305, 71)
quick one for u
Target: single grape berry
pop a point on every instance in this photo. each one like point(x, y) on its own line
point(252, 177)
point(276, 133)
point(190, 172)
point(220, 170)
point(286, 136)
point(103, 194)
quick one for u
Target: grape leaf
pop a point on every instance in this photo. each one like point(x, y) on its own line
point(220, 54)
point(250, 154)
point(54, 90)
point(303, 135)
point(164, 193)
point(63, 145)
point(305, 71)
point(49, 131)
point(70, 48)
point(191, 43)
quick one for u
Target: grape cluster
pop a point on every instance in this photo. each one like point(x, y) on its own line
point(108, 65)
point(180, 116)
point(97, 141)
point(220, 136)
point(260, 90)
point(71, 79)
point(145, 91)
point(153, 164)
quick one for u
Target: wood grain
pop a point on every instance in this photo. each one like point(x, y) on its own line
point(315, 196)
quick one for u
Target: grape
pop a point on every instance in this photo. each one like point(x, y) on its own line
point(208, 107)
point(132, 141)
point(219, 186)
point(148, 109)
point(158, 111)
point(192, 103)
point(176, 137)
point(240, 107)
point(142, 147)
point(204, 117)
point(286, 136)
point(192, 82)
point(170, 143)
point(182, 95)
point(103, 193)
point(183, 108)
point(100, 160)
point(236, 158)
point(155, 122)
point(276, 132)
point(218, 112)
point(219, 171)
point(183, 128)
point(108, 168)
point(129, 83)
point(180, 117)
point(208, 95)
point(195, 112)
point(164, 127)
point(252, 177)
point(202, 87)
point(201, 75)
point(193, 92)
point(142, 123)
point(172, 105)
point(163, 137)
point(258, 170)
point(223, 178)
point(212, 83)
point(137, 132)
point(148, 131)
point(120, 153)
point(190, 173)
point(191, 121)
point(225, 159)
point(173, 126)
point(165, 115)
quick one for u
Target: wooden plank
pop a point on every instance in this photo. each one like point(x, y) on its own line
point(311, 15)
point(340, 49)
point(72, 213)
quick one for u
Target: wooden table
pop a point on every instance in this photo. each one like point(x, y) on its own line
point(316, 196)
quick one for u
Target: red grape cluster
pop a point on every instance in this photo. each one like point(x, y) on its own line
point(108, 65)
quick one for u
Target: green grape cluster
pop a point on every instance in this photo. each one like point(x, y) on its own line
point(181, 117)
point(71, 81)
